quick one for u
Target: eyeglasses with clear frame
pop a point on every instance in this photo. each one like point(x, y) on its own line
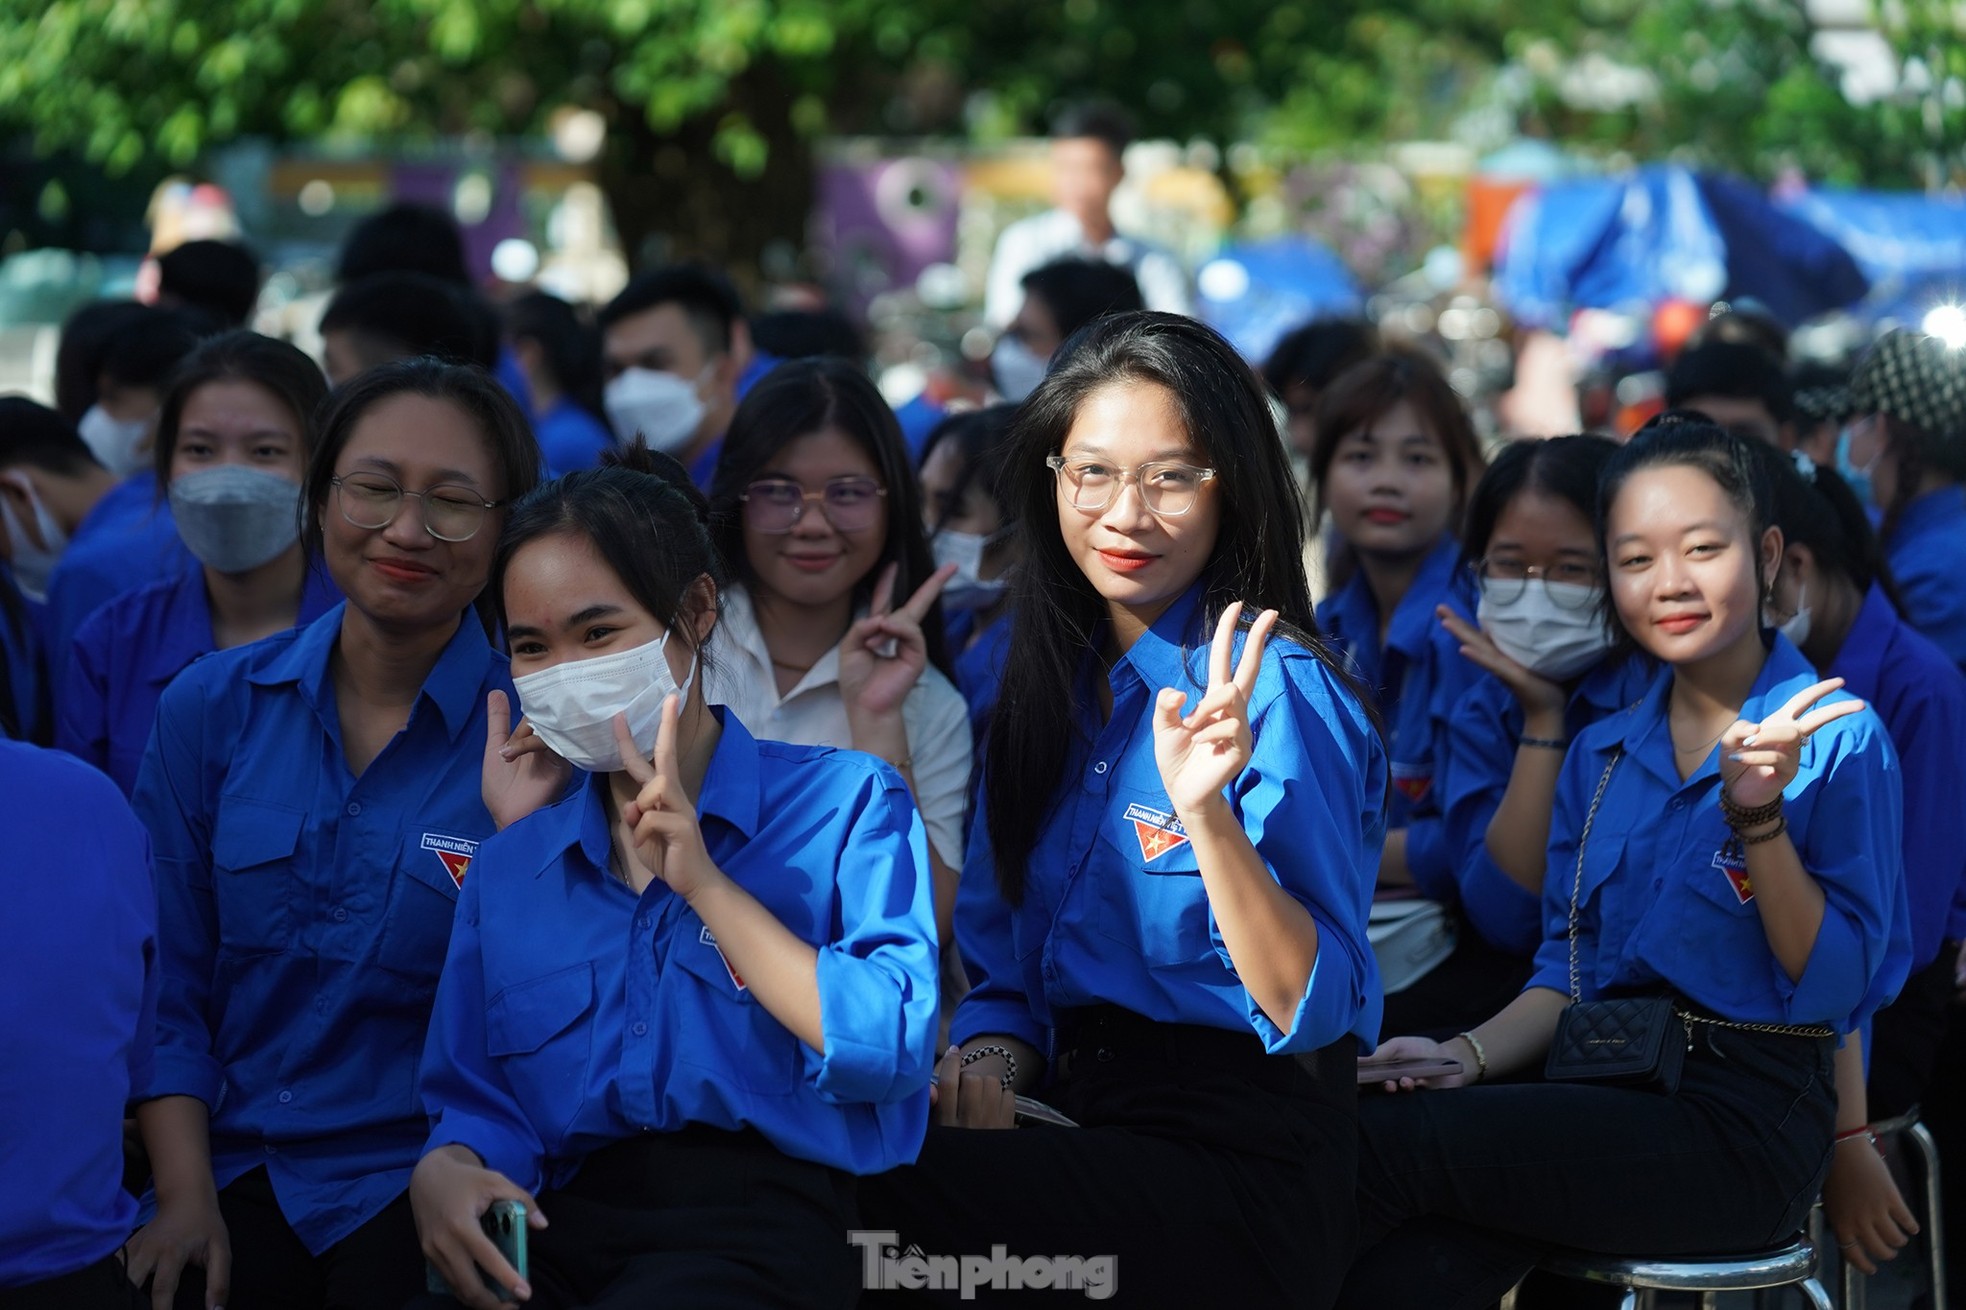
point(373, 500)
point(1168, 488)
point(1502, 581)
point(775, 505)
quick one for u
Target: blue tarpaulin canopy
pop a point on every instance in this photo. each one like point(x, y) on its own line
point(1666, 233)
point(1255, 291)
point(1911, 246)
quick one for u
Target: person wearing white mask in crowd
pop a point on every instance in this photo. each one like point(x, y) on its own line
point(233, 440)
point(1059, 299)
point(136, 364)
point(673, 345)
point(971, 526)
point(1548, 668)
point(51, 489)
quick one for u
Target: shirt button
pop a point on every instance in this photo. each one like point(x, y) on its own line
point(338, 914)
point(354, 808)
point(642, 922)
point(272, 1150)
point(1679, 802)
point(640, 1029)
point(285, 1097)
point(1099, 767)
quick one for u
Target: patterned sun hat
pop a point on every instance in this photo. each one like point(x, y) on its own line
point(1915, 378)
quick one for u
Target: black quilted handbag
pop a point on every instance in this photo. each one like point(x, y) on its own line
point(1634, 1041)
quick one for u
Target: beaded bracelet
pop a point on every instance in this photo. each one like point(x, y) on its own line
point(1481, 1056)
point(1741, 816)
point(1009, 1060)
point(1781, 826)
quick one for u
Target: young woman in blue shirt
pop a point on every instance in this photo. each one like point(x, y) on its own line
point(1546, 668)
point(233, 440)
point(685, 1005)
point(1166, 888)
point(1394, 462)
point(1833, 599)
point(1731, 842)
point(314, 800)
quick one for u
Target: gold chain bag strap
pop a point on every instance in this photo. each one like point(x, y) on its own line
point(1632, 1041)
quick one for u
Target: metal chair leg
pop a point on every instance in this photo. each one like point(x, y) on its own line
point(1633, 1301)
point(1509, 1297)
point(1855, 1289)
point(1818, 1298)
point(1928, 1153)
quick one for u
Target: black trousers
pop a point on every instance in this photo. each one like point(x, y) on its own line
point(698, 1218)
point(1460, 1191)
point(1905, 1038)
point(102, 1286)
point(379, 1266)
point(1469, 987)
point(1211, 1173)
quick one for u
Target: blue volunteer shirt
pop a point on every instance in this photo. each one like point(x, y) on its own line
point(128, 651)
point(1666, 903)
point(574, 1013)
point(128, 539)
point(1921, 696)
point(21, 625)
point(78, 998)
point(570, 439)
point(305, 912)
point(1416, 678)
point(1927, 555)
point(1114, 910)
point(1482, 737)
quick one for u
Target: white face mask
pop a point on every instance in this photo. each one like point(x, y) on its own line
point(1797, 626)
point(31, 565)
point(1550, 640)
point(664, 409)
point(1016, 369)
point(572, 705)
point(114, 441)
point(968, 589)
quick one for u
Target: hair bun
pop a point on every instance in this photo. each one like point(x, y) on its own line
point(636, 457)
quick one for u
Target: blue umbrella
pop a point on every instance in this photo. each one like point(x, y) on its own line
point(1667, 233)
point(1254, 292)
point(1912, 246)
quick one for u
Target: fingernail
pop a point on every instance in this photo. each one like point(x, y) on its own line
point(505, 752)
point(1735, 758)
point(1751, 740)
point(953, 1048)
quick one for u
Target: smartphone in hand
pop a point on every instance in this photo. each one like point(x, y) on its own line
point(505, 1224)
point(1371, 1073)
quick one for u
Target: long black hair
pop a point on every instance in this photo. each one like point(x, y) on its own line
point(507, 435)
point(797, 399)
point(644, 518)
point(1258, 557)
point(1815, 507)
point(981, 437)
point(278, 367)
point(1567, 468)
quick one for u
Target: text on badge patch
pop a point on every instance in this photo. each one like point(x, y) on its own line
point(1735, 867)
point(454, 853)
point(709, 939)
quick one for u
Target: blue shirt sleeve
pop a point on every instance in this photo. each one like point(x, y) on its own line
point(82, 708)
point(1574, 788)
point(997, 1002)
point(1312, 803)
point(1480, 756)
point(1927, 732)
point(1853, 850)
point(878, 980)
point(169, 799)
point(460, 1085)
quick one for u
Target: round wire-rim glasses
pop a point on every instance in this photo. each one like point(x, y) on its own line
point(775, 505)
point(372, 501)
point(1168, 488)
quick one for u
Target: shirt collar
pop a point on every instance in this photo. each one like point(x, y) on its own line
point(1648, 736)
point(1159, 656)
point(134, 495)
point(1414, 621)
point(730, 793)
point(454, 684)
point(1860, 663)
point(1615, 682)
point(186, 630)
point(1933, 507)
point(738, 626)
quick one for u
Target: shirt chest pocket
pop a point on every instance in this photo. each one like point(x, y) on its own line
point(535, 1031)
point(416, 930)
point(1148, 885)
point(723, 1029)
point(254, 881)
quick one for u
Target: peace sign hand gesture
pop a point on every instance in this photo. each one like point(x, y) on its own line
point(882, 656)
point(667, 839)
point(1203, 752)
point(1767, 754)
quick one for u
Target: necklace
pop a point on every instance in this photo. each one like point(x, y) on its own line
point(793, 668)
point(1703, 747)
